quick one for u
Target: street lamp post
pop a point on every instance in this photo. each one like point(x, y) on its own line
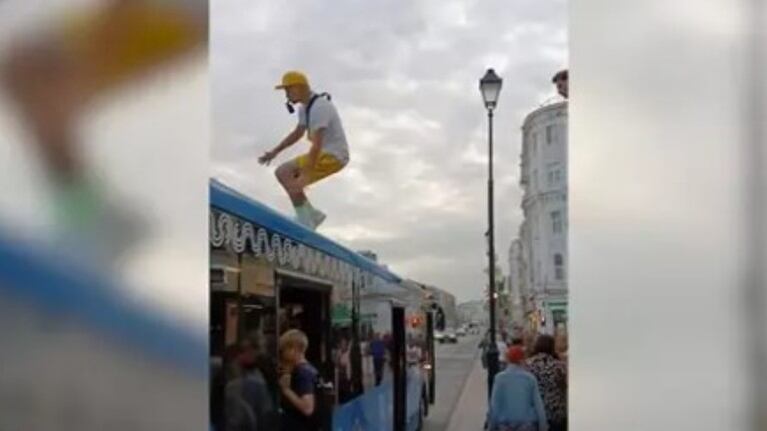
point(490, 87)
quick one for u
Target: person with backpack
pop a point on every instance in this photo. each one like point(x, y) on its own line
point(329, 151)
point(298, 382)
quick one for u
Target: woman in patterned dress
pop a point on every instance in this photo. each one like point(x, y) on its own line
point(551, 374)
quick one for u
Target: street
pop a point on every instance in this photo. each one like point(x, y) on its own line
point(454, 362)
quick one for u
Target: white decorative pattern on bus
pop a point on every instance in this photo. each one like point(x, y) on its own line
point(239, 235)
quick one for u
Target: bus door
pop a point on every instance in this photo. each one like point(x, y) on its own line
point(399, 367)
point(306, 305)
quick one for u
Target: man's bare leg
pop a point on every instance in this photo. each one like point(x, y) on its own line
point(50, 94)
point(291, 179)
point(294, 182)
point(289, 176)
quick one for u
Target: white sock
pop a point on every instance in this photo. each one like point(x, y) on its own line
point(304, 213)
point(300, 210)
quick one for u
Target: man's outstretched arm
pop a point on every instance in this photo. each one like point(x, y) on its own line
point(289, 140)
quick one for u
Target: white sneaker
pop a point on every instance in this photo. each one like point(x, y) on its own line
point(303, 220)
point(317, 217)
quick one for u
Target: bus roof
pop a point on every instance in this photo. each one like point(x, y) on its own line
point(233, 202)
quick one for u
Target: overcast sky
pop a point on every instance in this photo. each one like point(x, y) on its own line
point(404, 77)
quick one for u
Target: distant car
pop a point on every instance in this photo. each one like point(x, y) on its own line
point(450, 337)
point(460, 332)
point(439, 336)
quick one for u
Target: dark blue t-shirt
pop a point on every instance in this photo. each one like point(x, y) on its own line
point(378, 349)
point(303, 380)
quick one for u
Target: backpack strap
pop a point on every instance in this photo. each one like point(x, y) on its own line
point(309, 107)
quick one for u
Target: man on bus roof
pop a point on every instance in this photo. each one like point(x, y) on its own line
point(329, 151)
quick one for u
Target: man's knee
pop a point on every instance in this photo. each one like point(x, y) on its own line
point(284, 173)
point(279, 173)
point(294, 187)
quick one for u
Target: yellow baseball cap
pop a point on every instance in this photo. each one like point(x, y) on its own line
point(291, 78)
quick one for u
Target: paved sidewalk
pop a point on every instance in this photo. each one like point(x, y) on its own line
point(470, 411)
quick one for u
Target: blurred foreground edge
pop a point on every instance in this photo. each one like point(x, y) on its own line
point(79, 354)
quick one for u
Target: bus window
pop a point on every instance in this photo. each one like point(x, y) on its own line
point(375, 342)
point(345, 353)
point(258, 313)
point(343, 360)
point(416, 338)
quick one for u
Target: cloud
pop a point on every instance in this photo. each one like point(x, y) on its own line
point(404, 76)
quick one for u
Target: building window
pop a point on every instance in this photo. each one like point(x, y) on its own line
point(550, 134)
point(556, 222)
point(559, 267)
point(553, 174)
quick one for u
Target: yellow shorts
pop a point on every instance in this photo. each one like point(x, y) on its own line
point(326, 165)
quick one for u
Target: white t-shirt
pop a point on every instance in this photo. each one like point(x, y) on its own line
point(323, 115)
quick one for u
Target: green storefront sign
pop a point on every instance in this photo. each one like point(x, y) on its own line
point(558, 312)
point(557, 306)
point(341, 315)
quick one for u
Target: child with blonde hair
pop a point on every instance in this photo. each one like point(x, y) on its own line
point(297, 382)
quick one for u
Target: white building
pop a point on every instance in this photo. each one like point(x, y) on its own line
point(541, 272)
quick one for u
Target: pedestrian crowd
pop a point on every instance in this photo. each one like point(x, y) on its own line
point(530, 391)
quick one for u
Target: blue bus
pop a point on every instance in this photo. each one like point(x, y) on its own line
point(269, 274)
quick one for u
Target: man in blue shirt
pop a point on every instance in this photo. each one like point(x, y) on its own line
point(378, 352)
point(516, 403)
